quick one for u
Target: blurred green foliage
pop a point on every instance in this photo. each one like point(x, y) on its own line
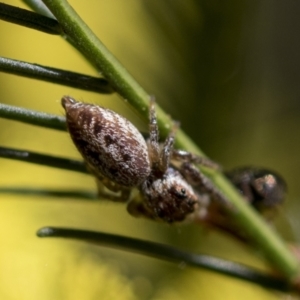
point(228, 71)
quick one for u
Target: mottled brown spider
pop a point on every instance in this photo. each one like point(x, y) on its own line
point(120, 158)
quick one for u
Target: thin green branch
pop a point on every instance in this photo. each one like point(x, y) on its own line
point(32, 117)
point(168, 253)
point(43, 159)
point(53, 75)
point(91, 47)
point(72, 194)
point(95, 52)
point(29, 19)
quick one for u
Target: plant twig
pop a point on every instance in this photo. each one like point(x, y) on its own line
point(32, 117)
point(29, 19)
point(43, 159)
point(91, 47)
point(54, 75)
point(168, 253)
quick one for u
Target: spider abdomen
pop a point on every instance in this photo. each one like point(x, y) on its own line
point(111, 146)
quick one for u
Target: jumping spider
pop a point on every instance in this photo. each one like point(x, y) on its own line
point(120, 158)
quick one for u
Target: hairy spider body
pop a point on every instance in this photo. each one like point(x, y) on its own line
point(119, 157)
point(110, 145)
point(171, 187)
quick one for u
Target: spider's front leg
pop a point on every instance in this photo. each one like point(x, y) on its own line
point(201, 183)
point(165, 194)
point(185, 156)
point(185, 163)
point(160, 159)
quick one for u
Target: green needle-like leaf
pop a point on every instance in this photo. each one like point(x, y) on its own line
point(29, 19)
point(54, 75)
point(169, 253)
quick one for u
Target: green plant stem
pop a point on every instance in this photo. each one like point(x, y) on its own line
point(29, 19)
point(168, 253)
point(91, 47)
point(54, 75)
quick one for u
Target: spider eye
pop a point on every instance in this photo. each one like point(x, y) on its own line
point(181, 193)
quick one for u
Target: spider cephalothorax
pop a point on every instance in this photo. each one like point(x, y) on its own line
point(120, 158)
point(170, 197)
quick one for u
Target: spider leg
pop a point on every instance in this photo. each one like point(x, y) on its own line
point(154, 135)
point(201, 183)
point(124, 193)
point(160, 159)
point(138, 208)
point(185, 156)
point(167, 149)
point(102, 183)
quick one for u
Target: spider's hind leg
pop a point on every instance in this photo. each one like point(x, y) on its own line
point(108, 189)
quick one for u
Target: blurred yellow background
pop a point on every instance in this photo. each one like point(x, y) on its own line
point(228, 71)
